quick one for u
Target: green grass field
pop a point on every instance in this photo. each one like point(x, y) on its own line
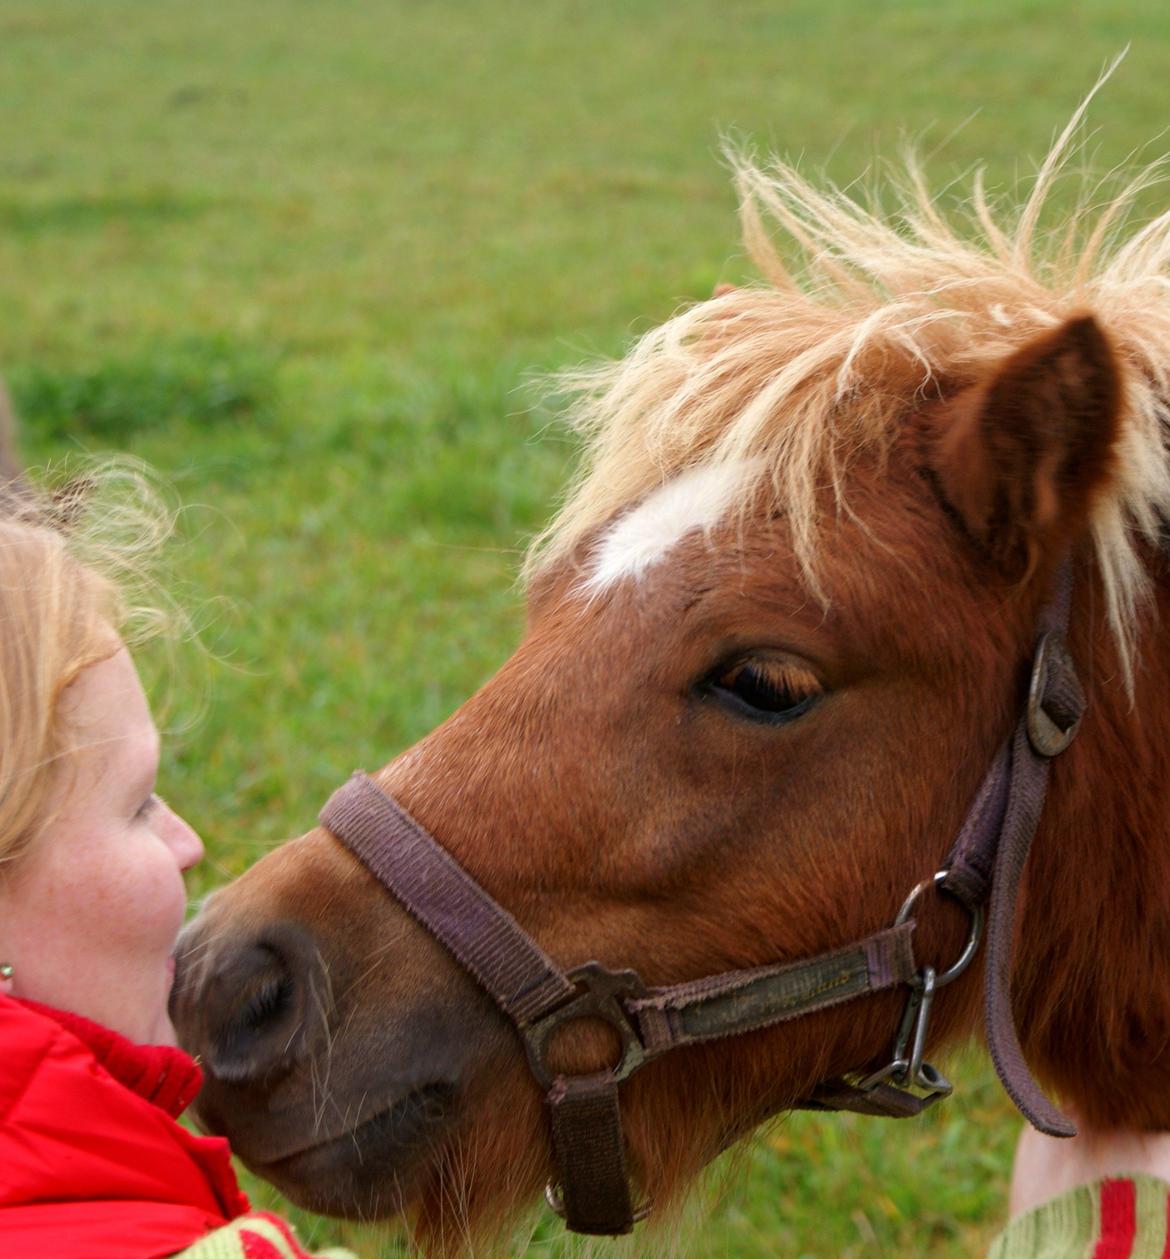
point(303, 257)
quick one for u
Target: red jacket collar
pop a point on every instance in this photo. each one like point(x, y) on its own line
point(161, 1074)
point(92, 1164)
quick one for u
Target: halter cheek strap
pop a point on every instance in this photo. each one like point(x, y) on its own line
point(539, 998)
point(987, 861)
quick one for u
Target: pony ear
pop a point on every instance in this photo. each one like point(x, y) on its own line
point(1023, 455)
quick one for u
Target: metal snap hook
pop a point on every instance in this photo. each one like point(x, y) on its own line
point(907, 1067)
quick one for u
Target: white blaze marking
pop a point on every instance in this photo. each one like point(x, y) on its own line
point(697, 499)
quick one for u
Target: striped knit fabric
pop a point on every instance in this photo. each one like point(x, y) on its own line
point(1126, 1218)
point(1123, 1218)
point(256, 1236)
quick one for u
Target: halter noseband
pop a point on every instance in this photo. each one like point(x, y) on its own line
point(982, 871)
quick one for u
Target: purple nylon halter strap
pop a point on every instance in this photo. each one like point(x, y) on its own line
point(539, 997)
point(745, 1000)
point(519, 976)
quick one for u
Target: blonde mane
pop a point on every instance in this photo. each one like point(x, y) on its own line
point(858, 316)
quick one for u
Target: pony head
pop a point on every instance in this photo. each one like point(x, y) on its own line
point(776, 633)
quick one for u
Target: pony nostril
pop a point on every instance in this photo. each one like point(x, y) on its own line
point(269, 1003)
point(262, 1012)
point(256, 1009)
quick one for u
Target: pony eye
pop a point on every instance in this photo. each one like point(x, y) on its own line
point(772, 691)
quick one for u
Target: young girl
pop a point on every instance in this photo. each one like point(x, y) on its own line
point(92, 1161)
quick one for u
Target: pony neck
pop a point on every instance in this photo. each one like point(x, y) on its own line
point(1091, 983)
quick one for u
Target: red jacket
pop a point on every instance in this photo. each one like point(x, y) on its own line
point(92, 1162)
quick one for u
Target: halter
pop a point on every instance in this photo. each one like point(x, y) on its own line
point(982, 872)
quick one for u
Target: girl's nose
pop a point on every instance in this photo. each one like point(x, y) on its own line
point(182, 839)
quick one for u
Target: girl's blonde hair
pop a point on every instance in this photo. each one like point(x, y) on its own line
point(76, 583)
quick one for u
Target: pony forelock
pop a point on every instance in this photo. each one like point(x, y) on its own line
point(860, 315)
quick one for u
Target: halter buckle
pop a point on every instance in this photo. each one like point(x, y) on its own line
point(599, 996)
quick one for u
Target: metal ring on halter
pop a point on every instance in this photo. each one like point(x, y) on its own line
point(600, 994)
point(556, 1203)
point(974, 935)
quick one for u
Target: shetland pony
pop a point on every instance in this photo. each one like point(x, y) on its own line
point(776, 634)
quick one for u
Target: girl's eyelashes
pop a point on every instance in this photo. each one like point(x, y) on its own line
point(148, 805)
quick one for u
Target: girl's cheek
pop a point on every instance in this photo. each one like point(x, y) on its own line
point(154, 904)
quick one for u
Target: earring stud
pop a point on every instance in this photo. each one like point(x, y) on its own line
point(6, 970)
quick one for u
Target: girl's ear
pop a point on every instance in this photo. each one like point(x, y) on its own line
point(1022, 455)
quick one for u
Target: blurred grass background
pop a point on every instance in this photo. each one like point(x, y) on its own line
point(302, 257)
